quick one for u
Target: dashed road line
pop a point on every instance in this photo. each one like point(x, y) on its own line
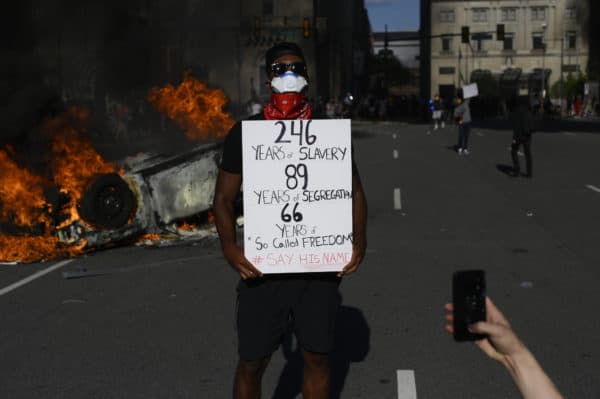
point(34, 276)
point(407, 389)
point(593, 188)
point(397, 199)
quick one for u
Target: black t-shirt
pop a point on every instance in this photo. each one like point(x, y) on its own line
point(231, 160)
point(232, 147)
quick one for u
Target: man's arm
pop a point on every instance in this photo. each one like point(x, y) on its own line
point(226, 191)
point(359, 226)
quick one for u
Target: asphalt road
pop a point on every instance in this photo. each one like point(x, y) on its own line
point(159, 322)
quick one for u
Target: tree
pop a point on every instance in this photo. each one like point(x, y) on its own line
point(572, 86)
point(386, 69)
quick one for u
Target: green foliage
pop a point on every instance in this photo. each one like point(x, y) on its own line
point(572, 86)
point(388, 69)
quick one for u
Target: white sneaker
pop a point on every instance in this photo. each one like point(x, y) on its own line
point(460, 151)
point(466, 152)
point(435, 127)
point(443, 125)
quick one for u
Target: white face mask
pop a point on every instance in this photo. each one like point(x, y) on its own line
point(288, 82)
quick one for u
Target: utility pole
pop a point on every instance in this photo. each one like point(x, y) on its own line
point(560, 86)
point(544, 26)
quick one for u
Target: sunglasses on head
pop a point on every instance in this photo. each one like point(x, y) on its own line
point(280, 68)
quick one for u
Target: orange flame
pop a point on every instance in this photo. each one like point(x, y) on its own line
point(150, 237)
point(22, 200)
point(185, 226)
point(195, 108)
point(29, 249)
point(74, 160)
point(22, 203)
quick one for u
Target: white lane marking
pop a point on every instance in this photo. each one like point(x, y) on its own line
point(397, 199)
point(407, 389)
point(593, 188)
point(29, 279)
point(395, 154)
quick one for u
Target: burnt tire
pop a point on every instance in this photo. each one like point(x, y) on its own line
point(107, 203)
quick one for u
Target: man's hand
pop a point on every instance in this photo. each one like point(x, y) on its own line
point(358, 253)
point(238, 261)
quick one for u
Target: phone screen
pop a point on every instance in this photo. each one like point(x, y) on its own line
point(468, 298)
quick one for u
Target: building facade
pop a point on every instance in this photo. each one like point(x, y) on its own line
point(543, 40)
point(97, 54)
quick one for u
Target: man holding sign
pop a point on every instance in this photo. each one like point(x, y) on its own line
point(305, 221)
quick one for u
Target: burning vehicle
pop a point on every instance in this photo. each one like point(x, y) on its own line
point(70, 200)
point(149, 197)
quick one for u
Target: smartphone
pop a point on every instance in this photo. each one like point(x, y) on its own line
point(468, 298)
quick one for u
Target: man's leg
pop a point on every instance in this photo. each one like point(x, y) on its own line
point(248, 378)
point(316, 376)
point(466, 131)
point(515, 158)
point(528, 160)
point(459, 146)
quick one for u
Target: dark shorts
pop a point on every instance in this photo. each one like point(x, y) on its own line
point(268, 305)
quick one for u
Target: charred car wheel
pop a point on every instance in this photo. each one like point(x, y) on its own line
point(108, 202)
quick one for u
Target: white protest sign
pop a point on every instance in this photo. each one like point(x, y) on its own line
point(470, 91)
point(297, 181)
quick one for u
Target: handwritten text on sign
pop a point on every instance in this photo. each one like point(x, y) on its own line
point(297, 195)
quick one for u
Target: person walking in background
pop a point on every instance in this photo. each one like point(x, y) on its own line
point(462, 116)
point(503, 345)
point(577, 105)
point(523, 127)
point(330, 108)
point(437, 111)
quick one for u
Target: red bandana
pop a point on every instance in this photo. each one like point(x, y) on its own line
point(287, 106)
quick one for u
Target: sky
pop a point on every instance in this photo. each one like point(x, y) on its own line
point(397, 14)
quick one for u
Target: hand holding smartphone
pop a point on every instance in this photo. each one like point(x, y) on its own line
point(468, 299)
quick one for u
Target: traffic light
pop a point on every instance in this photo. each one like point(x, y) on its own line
point(306, 28)
point(500, 32)
point(464, 34)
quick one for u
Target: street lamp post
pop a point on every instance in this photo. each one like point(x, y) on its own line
point(560, 87)
point(544, 26)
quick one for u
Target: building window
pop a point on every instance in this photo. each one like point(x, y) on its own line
point(508, 41)
point(478, 45)
point(538, 40)
point(446, 44)
point(509, 14)
point(538, 13)
point(571, 68)
point(480, 14)
point(571, 41)
point(571, 12)
point(446, 15)
point(447, 70)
